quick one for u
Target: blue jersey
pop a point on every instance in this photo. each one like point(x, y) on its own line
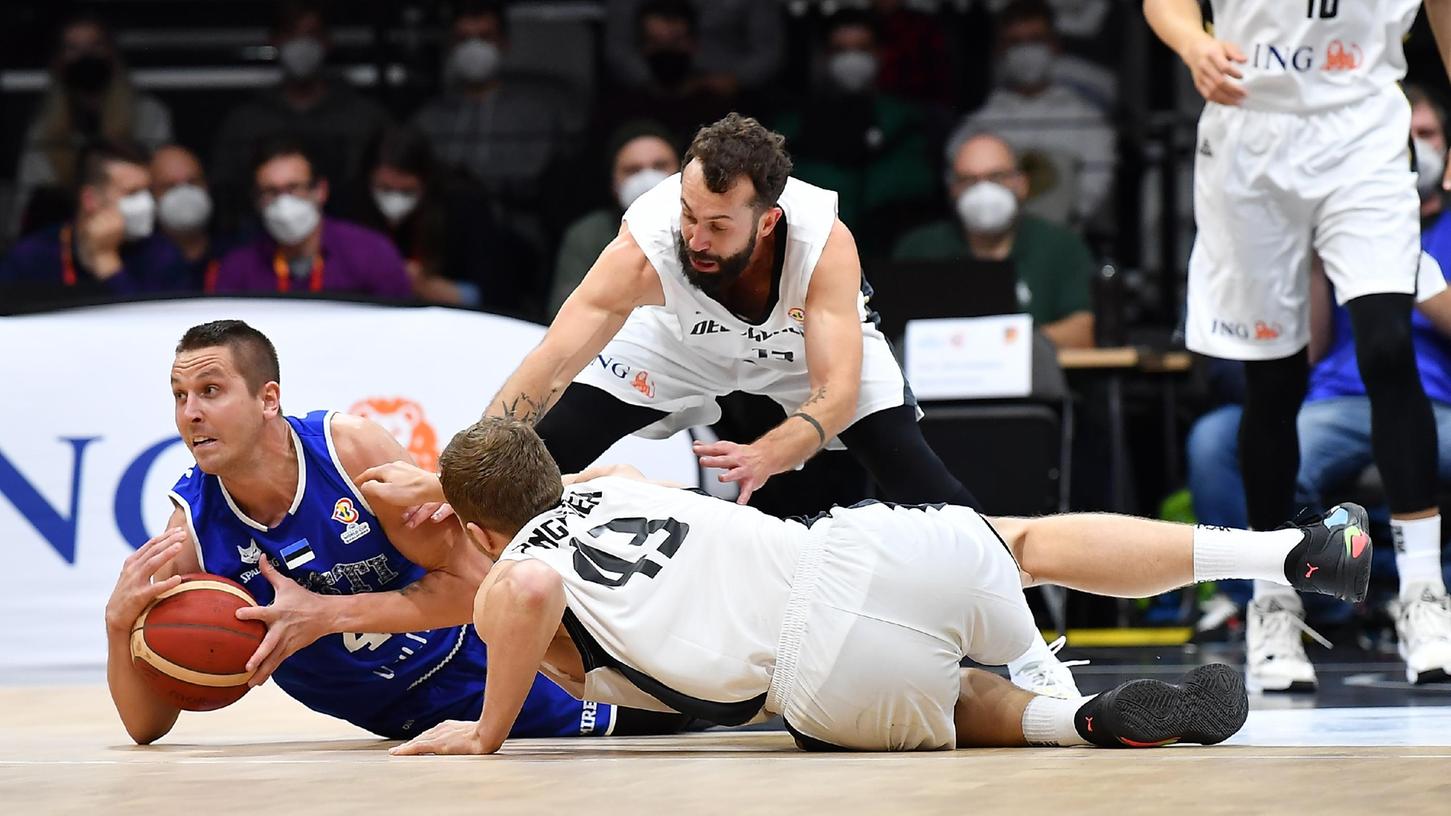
point(1338, 373)
point(330, 542)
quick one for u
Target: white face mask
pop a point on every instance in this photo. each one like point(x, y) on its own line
point(987, 207)
point(138, 211)
point(184, 208)
point(852, 71)
point(474, 61)
point(639, 184)
point(395, 205)
point(1430, 165)
point(301, 57)
point(289, 219)
point(1027, 65)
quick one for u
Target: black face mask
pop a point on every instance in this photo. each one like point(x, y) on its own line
point(727, 270)
point(89, 73)
point(669, 68)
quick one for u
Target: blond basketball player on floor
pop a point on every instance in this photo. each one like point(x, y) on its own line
point(851, 625)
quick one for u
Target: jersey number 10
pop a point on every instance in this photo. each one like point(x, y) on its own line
point(1328, 9)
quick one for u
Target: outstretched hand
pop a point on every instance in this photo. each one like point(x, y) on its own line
point(743, 464)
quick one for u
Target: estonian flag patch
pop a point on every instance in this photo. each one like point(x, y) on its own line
point(298, 553)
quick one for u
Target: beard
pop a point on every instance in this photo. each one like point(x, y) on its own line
point(727, 269)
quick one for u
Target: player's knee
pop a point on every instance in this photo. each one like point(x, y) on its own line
point(1385, 354)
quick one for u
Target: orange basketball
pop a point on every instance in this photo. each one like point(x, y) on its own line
point(191, 646)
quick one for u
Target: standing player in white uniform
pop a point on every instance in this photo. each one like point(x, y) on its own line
point(1304, 149)
point(851, 625)
point(732, 276)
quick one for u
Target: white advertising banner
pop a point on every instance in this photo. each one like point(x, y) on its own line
point(88, 444)
point(970, 357)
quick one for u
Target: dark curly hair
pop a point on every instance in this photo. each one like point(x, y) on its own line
point(741, 146)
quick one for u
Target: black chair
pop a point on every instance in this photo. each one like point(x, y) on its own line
point(1015, 455)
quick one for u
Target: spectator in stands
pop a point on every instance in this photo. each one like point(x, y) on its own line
point(737, 45)
point(453, 250)
point(642, 155)
point(109, 249)
point(1054, 266)
point(1430, 139)
point(850, 137)
point(305, 251)
point(914, 63)
point(681, 95)
point(1036, 114)
point(334, 122)
point(90, 98)
point(506, 136)
point(184, 211)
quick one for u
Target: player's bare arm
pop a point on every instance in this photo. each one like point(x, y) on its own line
point(621, 280)
point(833, 363)
point(623, 471)
point(153, 569)
point(1180, 25)
point(518, 613)
point(298, 617)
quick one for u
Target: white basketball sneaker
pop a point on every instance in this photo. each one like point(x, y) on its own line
point(1274, 654)
point(1047, 675)
point(1423, 627)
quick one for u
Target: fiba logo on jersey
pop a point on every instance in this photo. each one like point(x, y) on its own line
point(405, 420)
point(345, 512)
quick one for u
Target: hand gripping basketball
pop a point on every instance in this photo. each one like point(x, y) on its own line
point(134, 587)
point(294, 619)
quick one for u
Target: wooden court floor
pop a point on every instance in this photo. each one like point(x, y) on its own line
point(63, 751)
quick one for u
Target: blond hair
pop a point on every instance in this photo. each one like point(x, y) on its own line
point(497, 474)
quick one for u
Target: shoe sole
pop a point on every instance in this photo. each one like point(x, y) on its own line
point(1428, 676)
point(1354, 572)
point(1209, 706)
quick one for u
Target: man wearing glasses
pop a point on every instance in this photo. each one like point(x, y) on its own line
point(303, 250)
point(1053, 264)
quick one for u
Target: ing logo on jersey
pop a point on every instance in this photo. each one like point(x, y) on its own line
point(1340, 58)
point(405, 420)
point(797, 314)
point(642, 384)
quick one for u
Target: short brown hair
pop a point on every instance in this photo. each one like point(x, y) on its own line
point(740, 146)
point(253, 353)
point(497, 474)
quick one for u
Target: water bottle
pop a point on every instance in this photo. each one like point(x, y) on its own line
point(1108, 307)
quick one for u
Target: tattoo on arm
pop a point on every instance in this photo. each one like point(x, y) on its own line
point(523, 407)
point(820, 432)
point(818, 396)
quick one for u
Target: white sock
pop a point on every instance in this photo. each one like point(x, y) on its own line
point(1037, 651)
point(1221, 552)
point(1049, 721)
point(1418, 551)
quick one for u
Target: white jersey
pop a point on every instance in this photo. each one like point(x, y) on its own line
point(652, 580)
point(1309, 55)
point(701, 322)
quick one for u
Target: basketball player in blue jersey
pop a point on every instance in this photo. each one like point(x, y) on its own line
point(367, 619)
